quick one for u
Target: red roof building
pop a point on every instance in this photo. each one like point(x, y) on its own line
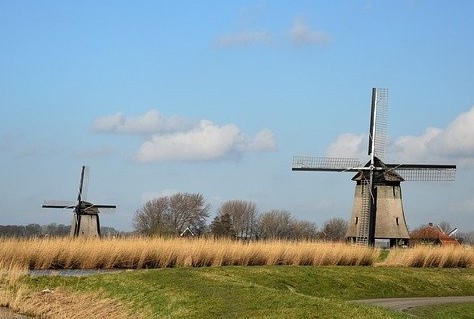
point(430, 235)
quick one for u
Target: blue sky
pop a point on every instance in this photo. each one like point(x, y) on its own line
point(216, 97)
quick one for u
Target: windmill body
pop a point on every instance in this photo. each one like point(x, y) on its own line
point(390, 222)
point(377, 211)
point(85, 220)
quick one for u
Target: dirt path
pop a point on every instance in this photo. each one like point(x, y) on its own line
point(402, 304)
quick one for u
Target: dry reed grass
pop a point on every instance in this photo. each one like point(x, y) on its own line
point(20, 298)
point(432, 256)
point(65, 304)
point(137, 253)
point(141, 252)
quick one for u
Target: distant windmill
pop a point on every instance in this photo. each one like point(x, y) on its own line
point(85, 221)
point(377, 210)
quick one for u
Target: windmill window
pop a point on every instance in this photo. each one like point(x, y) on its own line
point(396, 219)
point(357, 220)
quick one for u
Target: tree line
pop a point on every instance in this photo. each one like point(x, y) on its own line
point(188, 214)
point(49, 230)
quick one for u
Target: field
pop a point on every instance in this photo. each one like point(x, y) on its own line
point(225, 279)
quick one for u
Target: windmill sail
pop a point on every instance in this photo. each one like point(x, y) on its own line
point(424, 172)
point(83, 184)
point(59, 204)
point(378, 123)
point(334, 164)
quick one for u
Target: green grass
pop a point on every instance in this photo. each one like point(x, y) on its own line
point(271, 292)
point(458, 311)
point(383, 255)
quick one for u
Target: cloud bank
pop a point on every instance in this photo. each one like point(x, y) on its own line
point(454, 143)
point(300, 34)
point(150, 122)
point(176, 139)
point(348, 145)
point(451, 145)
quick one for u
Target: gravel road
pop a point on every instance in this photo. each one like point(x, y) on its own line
point(402, 304)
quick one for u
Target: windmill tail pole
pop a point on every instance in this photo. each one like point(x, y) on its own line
point(372, 211)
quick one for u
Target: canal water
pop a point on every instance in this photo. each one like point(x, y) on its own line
point(73, 272)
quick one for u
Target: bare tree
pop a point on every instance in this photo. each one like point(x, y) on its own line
point(466, 238)
point(172, 215)
point(276, 224)
point(188, 211)
point(281, 224)
point(303, 229)
point(334, 229)
point(151, 219)
point(243, 216)
point(444, 226)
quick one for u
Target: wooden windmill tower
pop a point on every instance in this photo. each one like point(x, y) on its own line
point(377, 211)
point(85, 221)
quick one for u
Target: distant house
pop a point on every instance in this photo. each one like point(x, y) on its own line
point(187, 233)
point(431, 235)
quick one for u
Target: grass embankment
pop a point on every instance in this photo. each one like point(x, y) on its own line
point(255, 292)
point(458, 311)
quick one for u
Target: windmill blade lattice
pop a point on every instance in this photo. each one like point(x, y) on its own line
point(378, 123)
point(59, 204)
point(424, 173)
point(335, 164)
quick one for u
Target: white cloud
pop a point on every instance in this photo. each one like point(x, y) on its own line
point(150, 122)
point(243, 39)
point(453, 143)
point(414, 148)
point(263, 141)
point(204, 142)
point(302, 35)
point(458, 138)
point(348, 145)
point(176, 139)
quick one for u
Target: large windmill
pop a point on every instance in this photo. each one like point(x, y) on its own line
point(377, 210)
point(85, 221)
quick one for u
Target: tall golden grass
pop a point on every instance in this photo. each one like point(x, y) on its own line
point(431, 256)
point(137, 253)
point(142, 252)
